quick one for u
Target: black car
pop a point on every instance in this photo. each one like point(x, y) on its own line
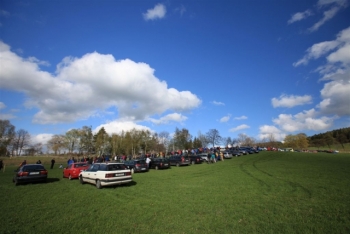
point(30, 173)
point(159, 163)
point(195, 159)
point(235, 153)
point(136, 165)
point(177, 160)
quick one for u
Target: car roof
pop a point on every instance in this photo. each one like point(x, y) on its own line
point(107, 163)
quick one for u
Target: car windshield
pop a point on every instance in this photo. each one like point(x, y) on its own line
point(80, 165)
point(33, 168)
point(140, 161)
point(115, 167)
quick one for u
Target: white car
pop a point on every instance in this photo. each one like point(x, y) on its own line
point(227, 155)
point(106, 174)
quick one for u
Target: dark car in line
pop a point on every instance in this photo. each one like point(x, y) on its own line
point(195, 159)
point(136, 165)
point(235, 153)
point(177, 160)
point(159, 163)
point(204, 156)
point(30, 173)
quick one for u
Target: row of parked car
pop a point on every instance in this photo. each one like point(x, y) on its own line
point(115, 173)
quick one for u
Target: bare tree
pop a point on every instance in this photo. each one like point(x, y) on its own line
point(164, 139)
point(7, 134)
point(20, 141)
point(214, 137)
point(203, 139)
point(56, 143)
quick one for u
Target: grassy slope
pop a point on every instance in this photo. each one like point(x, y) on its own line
point(269, 192)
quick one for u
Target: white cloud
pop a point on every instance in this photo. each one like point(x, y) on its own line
point(327, 15)
point(329, 8)
point(336, 92)
point(41, 138)
point(37, 61)
point(316, 51)
point(158, 12)
point(269, 132)
point(218, 103)
point(225, 118)
point(5, 115)
point(291, 101)
point(299, 16)
point(240, 127)
point(174, 117)
point(118, 126)
point(4, 13)
point(336, 98)
point(101, 82)
point(181, 10)
point(241, 117)
point(2, 105)
point(306, 120)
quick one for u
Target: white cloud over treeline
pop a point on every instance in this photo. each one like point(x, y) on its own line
point(81, 87)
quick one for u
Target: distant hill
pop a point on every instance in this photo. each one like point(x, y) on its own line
point(338, 136)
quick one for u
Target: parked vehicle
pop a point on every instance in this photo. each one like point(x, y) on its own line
point(30, 173)
point(106, 174)
point(195, 159)
point(204, 156)
point(227, 155)
point(136, 165)
point(235, 153)
point(177, 160)
point(159, 163)
point(73, 170)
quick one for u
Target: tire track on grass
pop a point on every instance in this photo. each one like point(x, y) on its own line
point(243, 167)
point(294, 185)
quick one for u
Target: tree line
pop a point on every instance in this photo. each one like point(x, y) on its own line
point(134, 142)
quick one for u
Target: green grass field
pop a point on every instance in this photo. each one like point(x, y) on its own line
point(269, 192)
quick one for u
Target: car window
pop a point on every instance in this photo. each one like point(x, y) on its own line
point(140, 161)
point(115, 167)
point(95, 167)
point(80, 165)
point(103, 167)
point(33, 168)
point(69, 166)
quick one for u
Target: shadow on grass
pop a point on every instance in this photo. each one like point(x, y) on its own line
point(52, 180)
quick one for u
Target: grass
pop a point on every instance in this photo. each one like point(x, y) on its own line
point(269, 192)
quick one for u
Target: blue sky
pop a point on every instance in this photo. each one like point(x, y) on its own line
point(260, 68)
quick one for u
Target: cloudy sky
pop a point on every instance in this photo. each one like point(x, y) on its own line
point(253, 67)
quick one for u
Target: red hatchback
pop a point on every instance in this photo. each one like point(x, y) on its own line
point(73, 170)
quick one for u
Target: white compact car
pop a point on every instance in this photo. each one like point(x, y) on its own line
point(106, 174)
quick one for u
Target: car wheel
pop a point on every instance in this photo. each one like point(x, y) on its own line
point(70, 177)
point(177, 164)
point(156, 168)
point(98, 184)
point(81, 179)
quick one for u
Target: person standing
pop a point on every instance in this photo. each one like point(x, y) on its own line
point(52, 163)
point(148, 160)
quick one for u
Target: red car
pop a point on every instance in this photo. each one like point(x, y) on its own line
point(73, 170)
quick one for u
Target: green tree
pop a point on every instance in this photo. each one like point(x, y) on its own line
point(102, 142)
point(72, 138)
point(329, 140)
